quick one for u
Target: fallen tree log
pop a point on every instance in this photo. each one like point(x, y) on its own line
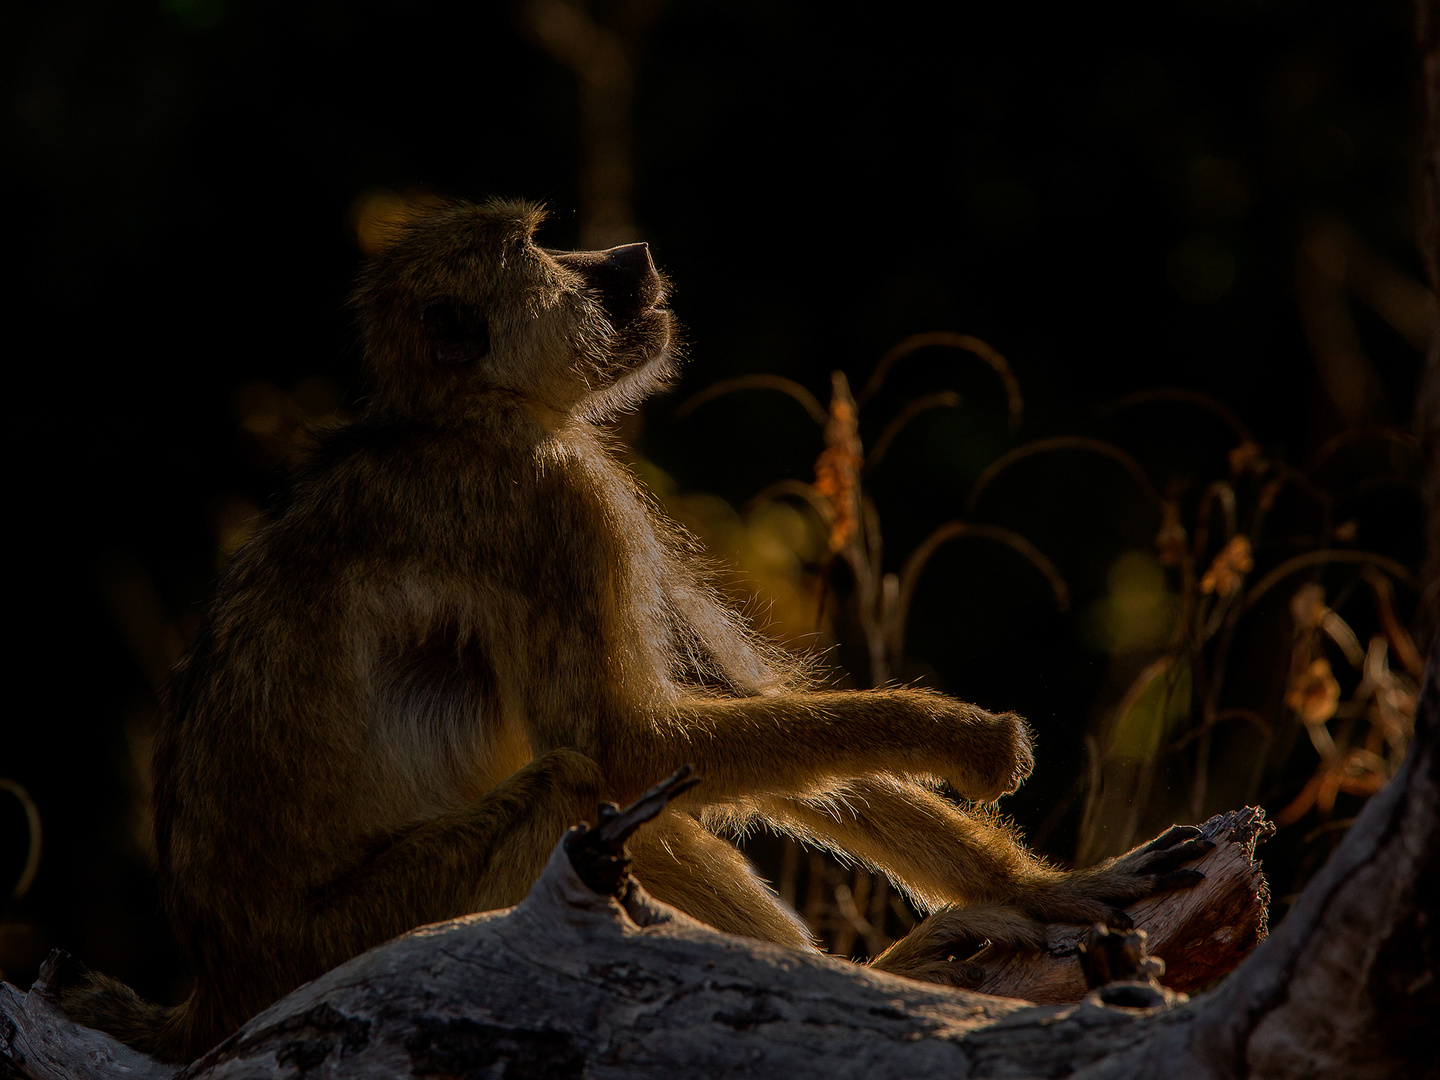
point(572, 982)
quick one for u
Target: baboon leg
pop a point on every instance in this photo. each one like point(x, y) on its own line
point(939, 854)
point(806, 741)
point(927, 846)
point(482, 856)
point(681, 863)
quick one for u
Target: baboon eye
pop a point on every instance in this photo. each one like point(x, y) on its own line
point(458, 334)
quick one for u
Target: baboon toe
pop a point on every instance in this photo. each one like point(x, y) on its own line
point(1172, 836)
point(1167, 859)
point(1178, 879)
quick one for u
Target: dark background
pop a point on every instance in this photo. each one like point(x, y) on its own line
point(1113, 201)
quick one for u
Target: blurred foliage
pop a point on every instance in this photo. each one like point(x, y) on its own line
point(1151, 753)
point(1218, 197)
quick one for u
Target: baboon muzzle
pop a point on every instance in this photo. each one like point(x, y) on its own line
point(624, 277)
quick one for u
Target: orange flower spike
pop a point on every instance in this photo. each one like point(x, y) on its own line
point(1307, 608)
point(837, 470)
point(1243, 457)
point(1229, 568)
point(1315, 694)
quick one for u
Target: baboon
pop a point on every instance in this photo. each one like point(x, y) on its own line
point(469, 625)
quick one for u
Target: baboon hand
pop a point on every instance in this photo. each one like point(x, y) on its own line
point(992, 754)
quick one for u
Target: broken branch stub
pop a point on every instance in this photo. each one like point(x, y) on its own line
point(598, 852)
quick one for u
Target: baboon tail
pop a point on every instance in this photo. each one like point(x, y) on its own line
point(108, 1005)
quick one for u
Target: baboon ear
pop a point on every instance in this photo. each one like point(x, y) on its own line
point(458, 334)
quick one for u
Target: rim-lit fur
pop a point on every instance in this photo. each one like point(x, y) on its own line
point(552, 342)
point(469, 625)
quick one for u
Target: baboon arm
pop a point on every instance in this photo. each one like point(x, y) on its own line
point(804, 741)
point(482, 856)
point(926, 845)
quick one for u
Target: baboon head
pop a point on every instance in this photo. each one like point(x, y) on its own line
point(464, 304)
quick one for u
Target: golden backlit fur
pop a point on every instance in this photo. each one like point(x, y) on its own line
point(469, 625)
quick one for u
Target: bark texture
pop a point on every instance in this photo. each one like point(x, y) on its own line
point(571, 983)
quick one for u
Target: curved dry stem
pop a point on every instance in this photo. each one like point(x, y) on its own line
point(793, 489)
point(1088, 840)
point(1381, 482)
point(1217, 492)
point(874, 542)
point(1319, 558)
point(950, 340)
point(1062, 442)
point(1399, 637)
point(1288, 474)
point(1157, 670)
point(1189, 397)
point(32, 822)
point(941, 399)
point(1354, 435)
point(1142, 682)
point(1250, 716)
point(915, 565)
point(785, 386)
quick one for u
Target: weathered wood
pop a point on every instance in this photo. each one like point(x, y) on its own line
point(1201, 933)
point(38, 1042)
point(574, 983)
point(571, 983)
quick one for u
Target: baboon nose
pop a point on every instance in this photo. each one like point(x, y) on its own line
point(624, 277)
point(627, 282)
point(631, 258)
